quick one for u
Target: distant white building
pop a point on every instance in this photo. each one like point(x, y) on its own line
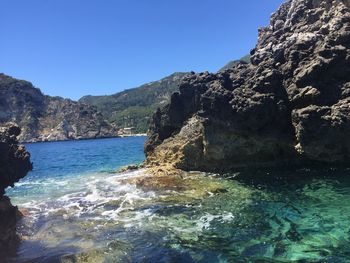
point(128, 130)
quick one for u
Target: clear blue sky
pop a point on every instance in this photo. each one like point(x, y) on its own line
point(72, 48)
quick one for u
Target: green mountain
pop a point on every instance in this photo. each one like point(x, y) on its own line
point(245, 59)
point(134, 107)
point(46, 118)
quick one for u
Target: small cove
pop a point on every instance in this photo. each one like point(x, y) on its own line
point(78, 209)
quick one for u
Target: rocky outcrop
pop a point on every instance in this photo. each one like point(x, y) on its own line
point(45, 118)
point(290, 106)
point(14, 165)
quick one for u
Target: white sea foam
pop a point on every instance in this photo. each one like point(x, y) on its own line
point(87, 196)
point(100, 196)
point(204, 222)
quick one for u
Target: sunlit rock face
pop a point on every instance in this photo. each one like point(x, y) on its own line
point(290, 106)
point(14, 165)
point(46, 118)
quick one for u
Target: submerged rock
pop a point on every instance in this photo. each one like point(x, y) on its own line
point(290, 106)
point(14, 165)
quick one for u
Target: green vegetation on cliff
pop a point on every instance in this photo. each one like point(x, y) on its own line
point(43, 117)
point(232, 63)
point(134, 107)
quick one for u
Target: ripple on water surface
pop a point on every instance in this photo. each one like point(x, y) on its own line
point(96, 216)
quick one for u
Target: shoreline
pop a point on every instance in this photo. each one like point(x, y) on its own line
point(134, 135)
point(86, 139)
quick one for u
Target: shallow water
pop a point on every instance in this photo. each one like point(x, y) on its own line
point(79, 210)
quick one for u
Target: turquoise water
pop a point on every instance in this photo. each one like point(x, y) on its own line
point(58, 164)
point(78, 209)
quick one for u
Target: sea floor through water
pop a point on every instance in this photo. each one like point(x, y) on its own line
point(78, 209)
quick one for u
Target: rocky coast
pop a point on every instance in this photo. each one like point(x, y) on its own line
point(14, 165)
point(47, 118)
point(289, 106)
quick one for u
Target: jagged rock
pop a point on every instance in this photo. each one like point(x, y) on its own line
point(45, 118)
point(14, 165)
point(323, 131)
point(289, 106)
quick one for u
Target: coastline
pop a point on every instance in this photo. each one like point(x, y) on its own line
point(86, 139)
point(179, 207)
point(134, 135)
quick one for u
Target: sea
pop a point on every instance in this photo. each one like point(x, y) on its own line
point(78, 207)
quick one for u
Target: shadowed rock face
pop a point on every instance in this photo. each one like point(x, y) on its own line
point(14, 165)
point(291, 105)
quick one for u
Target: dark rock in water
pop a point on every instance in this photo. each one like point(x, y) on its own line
point(46, 118)
point(14, 159)
point(290, 106)
point(14, 165)
point(8, 218)
point(129, 168)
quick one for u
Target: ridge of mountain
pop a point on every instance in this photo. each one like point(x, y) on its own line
point(134, 107)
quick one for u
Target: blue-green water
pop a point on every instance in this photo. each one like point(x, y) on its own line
point(58, 164)
point(78, 209)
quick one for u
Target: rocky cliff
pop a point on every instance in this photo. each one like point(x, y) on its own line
point(46, 118)
point(14, 165)
point(290, 105)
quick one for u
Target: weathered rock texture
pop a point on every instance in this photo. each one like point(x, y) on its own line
point(45, 118)
point(291, 105)
point(14, 165)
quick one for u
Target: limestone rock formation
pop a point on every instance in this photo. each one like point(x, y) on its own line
point(46, 118)
point(290, 106)
point(14, 165)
